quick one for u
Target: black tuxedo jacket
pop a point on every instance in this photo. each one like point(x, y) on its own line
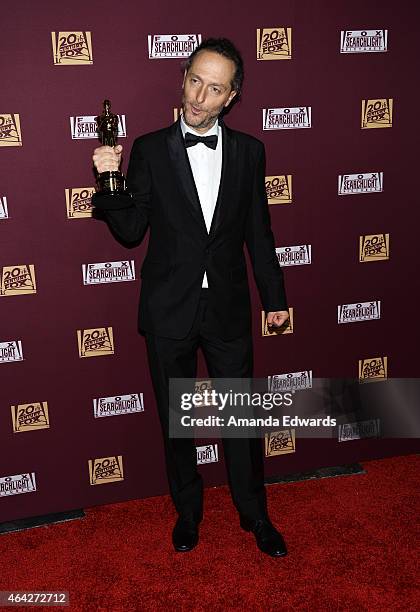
point(164, 198)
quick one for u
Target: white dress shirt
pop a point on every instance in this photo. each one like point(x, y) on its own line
point(206, 166)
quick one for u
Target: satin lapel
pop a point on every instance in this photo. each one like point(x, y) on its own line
point(227, 178)
point(181, 165)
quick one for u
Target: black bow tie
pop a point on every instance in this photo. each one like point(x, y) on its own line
point(193, 139)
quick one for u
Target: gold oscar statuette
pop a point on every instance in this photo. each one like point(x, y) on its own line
point(111, 182)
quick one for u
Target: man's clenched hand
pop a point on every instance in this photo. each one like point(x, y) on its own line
point(107, 158)
point(277, 318)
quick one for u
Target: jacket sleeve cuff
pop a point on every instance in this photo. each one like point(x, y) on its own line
point(276, 307)
point(108, 202)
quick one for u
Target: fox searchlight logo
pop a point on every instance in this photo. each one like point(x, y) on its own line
point(108, 272)
point(85, 126)
point(359, 430)
point(11, 351)
point(4, 211)
point(298, 255)
point(72, 48)
point(19, 483)
point(118, 404)
point(291, 381)
point(363, 311)
point(207, 454)
point(274, 43)
point(367, 182)
point(287, 118)
point(171, 46)
point(364, 41)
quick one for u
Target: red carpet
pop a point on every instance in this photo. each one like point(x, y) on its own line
point(352, 546)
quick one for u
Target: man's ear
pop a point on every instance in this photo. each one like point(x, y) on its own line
point(183, 80)
point(231, 96)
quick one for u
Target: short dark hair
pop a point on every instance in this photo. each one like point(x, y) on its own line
point(225, 47)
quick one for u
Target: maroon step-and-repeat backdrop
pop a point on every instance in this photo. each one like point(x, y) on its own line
point(331, 89)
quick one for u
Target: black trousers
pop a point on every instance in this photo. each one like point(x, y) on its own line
point(169, 358)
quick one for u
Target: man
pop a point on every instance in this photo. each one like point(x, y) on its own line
point(200, 188)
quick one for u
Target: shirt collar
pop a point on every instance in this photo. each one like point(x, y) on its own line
point(215, 129)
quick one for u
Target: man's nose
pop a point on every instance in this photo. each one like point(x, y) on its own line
point(201, 95)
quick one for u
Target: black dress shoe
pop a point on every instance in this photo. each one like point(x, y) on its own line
point(185, 535)
point(269, 540)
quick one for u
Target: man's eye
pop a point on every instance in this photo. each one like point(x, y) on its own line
point(216, 90)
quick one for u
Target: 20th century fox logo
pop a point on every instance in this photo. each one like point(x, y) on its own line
point(374, 247)
point(279, 189)
point(177, 113)
point(95, 342)
point(30, 417)
point(106, 469)
point(377, 113)
point(79, 202)
point(373, 368)
point(280, 442)
point(274, 43)
point(10, 132)
point(286, 328)
point(72, 48)
point(17, 280)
